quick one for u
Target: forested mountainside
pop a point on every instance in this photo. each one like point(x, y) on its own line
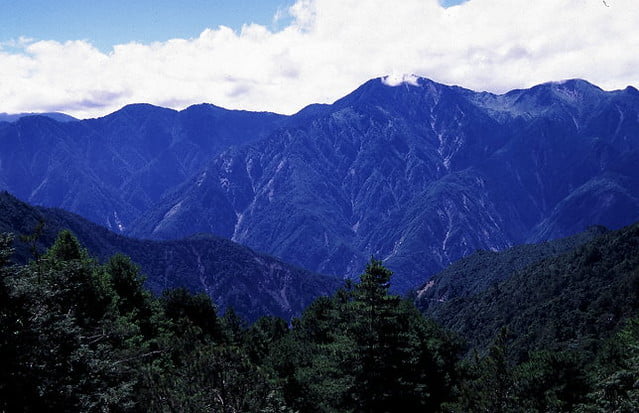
point(419, 175)
point(76, 335)
point(112, 169)
point(231, 275)
point(483, 269)
point(567, 301)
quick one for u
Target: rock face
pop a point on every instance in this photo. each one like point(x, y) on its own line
point(232, 275)
point(418, 174)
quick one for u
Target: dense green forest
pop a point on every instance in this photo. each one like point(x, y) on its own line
point(77, 335)
point(572, 300)
point(483, 269)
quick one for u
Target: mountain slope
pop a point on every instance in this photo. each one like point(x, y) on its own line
point(573, 300)
point(111, 169)
point(482, 270)
point(232, 275)
point(419, 175)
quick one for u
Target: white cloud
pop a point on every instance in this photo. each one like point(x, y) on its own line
point(328, 49)
point(397, 79)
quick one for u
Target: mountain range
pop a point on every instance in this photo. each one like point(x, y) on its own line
point(418, 174)
point(232, 275)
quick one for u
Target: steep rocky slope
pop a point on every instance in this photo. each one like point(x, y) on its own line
point(419, 175)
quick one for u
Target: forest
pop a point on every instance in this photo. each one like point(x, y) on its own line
point(77, 334)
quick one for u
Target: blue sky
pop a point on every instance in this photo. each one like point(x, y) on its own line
point(110, 22)
point(91, 58)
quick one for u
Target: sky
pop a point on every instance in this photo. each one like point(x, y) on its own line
point(88, 59)
point(107, 23)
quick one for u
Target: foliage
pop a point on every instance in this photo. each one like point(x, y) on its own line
point(365, 350)
point(82, 336)
point(616, 373)
point(575, 300)
point(77, 335)
point(555, 316)
point(481, 270)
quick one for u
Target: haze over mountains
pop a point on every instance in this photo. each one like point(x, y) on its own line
point(12, 117)
point(418, 175)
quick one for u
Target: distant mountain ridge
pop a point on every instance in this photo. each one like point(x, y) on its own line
point(60, 117)
point(232, 275)
point(112, 169)
point(419, 174)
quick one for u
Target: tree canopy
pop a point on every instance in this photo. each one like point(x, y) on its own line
point(78, 335)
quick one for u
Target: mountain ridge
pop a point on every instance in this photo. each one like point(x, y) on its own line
point(57, 116)
point(418, 174)
point(112, 169)
point(421, 164)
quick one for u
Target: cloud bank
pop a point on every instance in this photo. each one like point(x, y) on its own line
point(327, 50)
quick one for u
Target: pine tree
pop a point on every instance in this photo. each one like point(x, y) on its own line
point(376, 335)
point(403, 361)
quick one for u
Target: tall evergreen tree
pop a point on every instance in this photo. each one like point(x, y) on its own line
point(378, 335)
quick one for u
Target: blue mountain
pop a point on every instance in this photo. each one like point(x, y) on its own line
point(112, 169)
point(60, 117)
point(419, 174)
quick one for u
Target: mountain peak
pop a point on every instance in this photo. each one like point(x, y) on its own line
point(632, 90)
point(209, 107)
point(139, 107)
point(139, 110)
point(575, 85)
point(386, 91)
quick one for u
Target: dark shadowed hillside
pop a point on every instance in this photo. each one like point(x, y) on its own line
point(483, 269)
point(572, 300)
point(232, 275)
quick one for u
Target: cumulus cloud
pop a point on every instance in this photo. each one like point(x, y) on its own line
point(326, 49)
